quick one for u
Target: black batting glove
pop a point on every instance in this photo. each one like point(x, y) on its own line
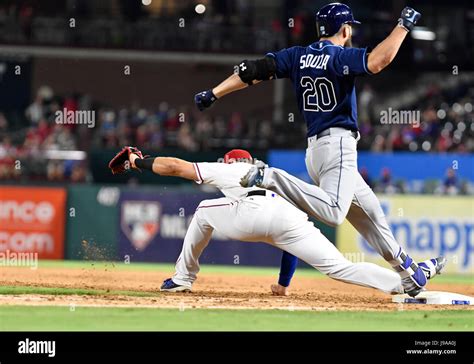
point(408, 18)
point(204, 99)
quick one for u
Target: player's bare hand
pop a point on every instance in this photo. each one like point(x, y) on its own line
point(204, 99)
point(278, 290)
point(132, 158)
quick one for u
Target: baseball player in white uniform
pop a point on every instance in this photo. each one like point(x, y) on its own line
point(254, 215)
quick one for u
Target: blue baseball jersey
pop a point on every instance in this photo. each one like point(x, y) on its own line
point(323, 77)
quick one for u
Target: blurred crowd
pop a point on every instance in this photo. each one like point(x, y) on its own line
point(447, 128)
point(228, 26)
point(388, 184)
point(25, 152)
point(42, 148)
point(182, 127)
point(166, 127)
point(441, 123)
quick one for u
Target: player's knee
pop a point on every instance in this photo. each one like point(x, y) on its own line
point(339, 219)
point(336, 218)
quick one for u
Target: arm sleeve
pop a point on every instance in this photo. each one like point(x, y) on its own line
point(287, 269)
point(215, 174)
point(209, 173)
point(198, 173)
point(284, 62)
point(352, 61)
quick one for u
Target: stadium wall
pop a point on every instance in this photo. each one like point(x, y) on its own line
point(148, 223)
point(104, 222)
point(91, 215)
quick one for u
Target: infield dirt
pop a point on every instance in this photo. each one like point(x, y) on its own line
point(211, 290)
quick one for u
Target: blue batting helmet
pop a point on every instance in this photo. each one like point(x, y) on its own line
point(330, 18)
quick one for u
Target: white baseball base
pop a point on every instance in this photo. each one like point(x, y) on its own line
point(435, 298)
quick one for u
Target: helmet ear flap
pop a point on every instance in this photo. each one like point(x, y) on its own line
point(321, 29)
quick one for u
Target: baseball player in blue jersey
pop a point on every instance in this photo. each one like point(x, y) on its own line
point(323, 76)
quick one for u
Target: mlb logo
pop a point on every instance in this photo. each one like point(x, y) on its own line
point(140, 222)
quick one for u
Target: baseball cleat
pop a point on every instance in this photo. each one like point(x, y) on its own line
point(254, 177)
point(169, 286)
point(432, 267)
point(415, 282)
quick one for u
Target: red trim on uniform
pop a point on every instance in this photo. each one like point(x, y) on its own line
point(196, 167)
point(202, 207)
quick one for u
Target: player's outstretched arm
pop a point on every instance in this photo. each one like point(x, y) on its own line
point(385, 52)
point(165, 166)
point(248, 73)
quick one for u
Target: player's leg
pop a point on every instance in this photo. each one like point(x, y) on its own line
point(332, 164)
point(195, 241)
point(367, 216)
point(246, 220)
point(308, 244)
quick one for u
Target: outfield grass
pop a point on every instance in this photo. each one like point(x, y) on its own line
point(72, 291)
point(21, 318)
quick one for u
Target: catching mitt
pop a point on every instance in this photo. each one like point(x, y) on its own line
point(121, 162)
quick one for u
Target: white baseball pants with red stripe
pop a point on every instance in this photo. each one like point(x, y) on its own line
point(275, 221)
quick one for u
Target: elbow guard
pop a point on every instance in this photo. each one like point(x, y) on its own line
point(259, 70)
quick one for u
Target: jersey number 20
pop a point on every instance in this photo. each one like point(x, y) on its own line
point(318, 94)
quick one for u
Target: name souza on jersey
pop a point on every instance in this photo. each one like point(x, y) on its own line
point(313, 61)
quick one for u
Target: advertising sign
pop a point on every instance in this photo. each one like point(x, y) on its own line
point(426, 227)
point(32, 221)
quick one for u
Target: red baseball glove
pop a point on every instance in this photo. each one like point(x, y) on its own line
point(121, 162)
